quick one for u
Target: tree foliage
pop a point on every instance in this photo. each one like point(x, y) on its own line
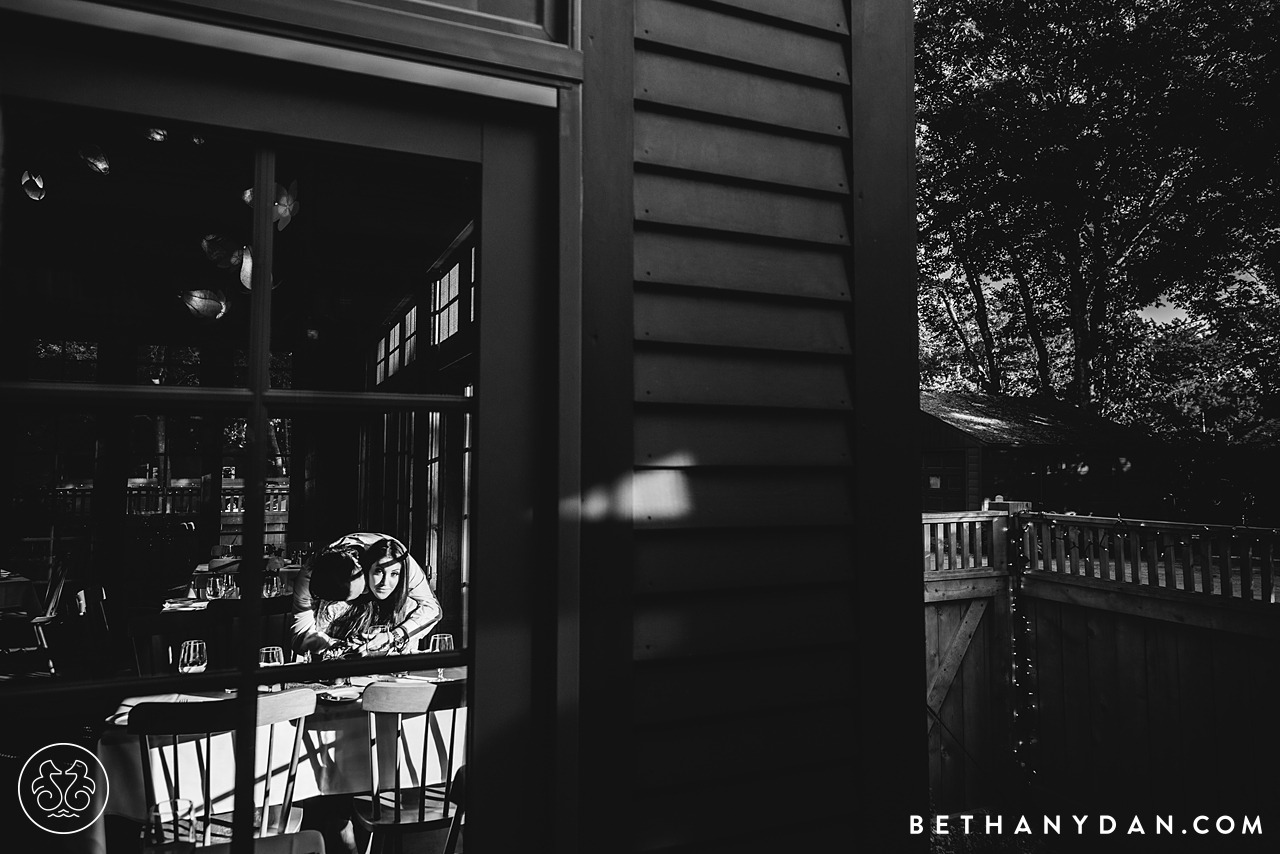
point(1081, 160)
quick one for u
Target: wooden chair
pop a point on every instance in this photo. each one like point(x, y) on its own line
point(218, 716)
point(396, 811)
point(458, 796)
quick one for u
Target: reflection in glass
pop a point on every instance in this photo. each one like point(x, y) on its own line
point(130, 273)
point(356, 273)
point(113, 256)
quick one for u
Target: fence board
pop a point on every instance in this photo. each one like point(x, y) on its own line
point(951, 707)
point(739, 622)
point(933, 648)
point(1195, 675)
point(1164, 715)
point(1103, 690)
point(709, 378)
point(976, 682)
point(715, 90)
point(696, 145)
point(680, 201)
point(1233, 665)
point(1176, 606)
point(1133, 760)
point(724, 36)
point(697, 318)
point(703, 438)
point(667, 561)
point(705, 688)
point(1076, 700)
point(751, 267)
point(1049, 678)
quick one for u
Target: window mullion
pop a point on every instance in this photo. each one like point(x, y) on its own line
point(264, 183)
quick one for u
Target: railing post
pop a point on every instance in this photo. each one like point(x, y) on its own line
point(1000, 543)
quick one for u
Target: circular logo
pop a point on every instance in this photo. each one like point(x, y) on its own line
point(63, 788)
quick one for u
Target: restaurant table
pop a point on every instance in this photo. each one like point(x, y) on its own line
point(334, 758)
point(17, 591)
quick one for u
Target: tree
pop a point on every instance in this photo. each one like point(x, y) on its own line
point(1079, 160)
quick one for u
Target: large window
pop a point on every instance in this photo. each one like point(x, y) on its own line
point(189, 315)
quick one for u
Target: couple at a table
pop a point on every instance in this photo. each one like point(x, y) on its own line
point(363, 594)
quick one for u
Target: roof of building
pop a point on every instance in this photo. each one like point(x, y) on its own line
point(1021, 421)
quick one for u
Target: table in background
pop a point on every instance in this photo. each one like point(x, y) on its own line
point(334, 758)
point(17, 591)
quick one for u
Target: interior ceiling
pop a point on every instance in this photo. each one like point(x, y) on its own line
point(109, 254)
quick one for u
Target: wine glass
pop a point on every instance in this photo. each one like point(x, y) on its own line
point(271, 656)
point(179, 813)
point(193, 657)
point(441, 643)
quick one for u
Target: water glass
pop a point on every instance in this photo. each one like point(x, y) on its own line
point(441, 643)
point(271, 656)
point(193, 657)
point(179, 816)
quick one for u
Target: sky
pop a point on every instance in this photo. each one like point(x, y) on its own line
point(1163, 313)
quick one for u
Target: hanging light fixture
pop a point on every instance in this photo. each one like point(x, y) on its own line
point(205, 304)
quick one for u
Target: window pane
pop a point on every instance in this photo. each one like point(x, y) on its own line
point(123, 239)
point(353, 259)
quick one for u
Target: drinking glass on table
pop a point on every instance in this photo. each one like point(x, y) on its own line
point(193, 657)
point(441, 643)
point(271, 656)
point(179, 816)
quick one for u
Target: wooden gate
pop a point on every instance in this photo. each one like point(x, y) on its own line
point(968, 673)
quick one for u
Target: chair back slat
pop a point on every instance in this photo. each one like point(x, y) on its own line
point(448, 774)
point(208, 793)
point(148, 786)
point(399, 737)
point(266, 783)
point(293, 775)
point(373, 765)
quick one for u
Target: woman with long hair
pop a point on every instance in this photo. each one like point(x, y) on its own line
point(364, 594)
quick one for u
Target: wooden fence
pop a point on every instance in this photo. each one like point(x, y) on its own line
point(968, 674)
point(1213, 560)
point(1146, 657)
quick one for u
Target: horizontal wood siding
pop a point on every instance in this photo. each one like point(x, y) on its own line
point(743, 514)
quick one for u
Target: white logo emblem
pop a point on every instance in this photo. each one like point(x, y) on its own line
point(63, 788)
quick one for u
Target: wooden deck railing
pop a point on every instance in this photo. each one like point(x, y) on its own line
point(969, 540)
point(1212, 560)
